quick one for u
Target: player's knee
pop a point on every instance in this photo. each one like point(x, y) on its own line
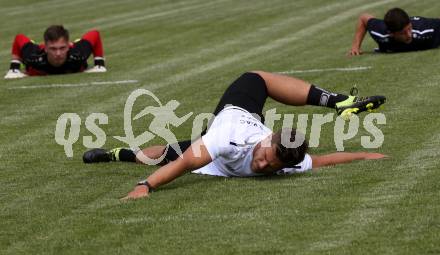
point(94, 32)
point(91, 35)
point(20, 37)
point(253, 77)
point(259, 73)
point(249, 74)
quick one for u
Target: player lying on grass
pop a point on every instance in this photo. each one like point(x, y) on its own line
point(57, 55)
point(237, 143)
point(397, 32)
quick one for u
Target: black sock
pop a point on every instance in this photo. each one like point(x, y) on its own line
point(15, 64)
point(99, 62)
point(127, 155)
point(321, 97)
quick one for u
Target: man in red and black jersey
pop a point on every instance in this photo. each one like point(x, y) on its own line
point(397, 32)
point(57, 55)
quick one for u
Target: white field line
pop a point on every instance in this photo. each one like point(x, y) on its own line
point(344, 69)
point(20, 9)
point(144, 17)
point(47, 6)
point(105, 20)
point(27, 13)
point(200, 53)
point(202, 50)
point(94, 23)
point(373, 205)
point(72, 85)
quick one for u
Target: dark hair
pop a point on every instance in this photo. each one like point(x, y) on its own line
point(55, 32)
point(289, 156)
point(396, 20)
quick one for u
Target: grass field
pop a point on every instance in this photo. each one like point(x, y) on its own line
point(190, 51)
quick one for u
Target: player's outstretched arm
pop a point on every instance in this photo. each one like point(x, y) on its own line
point(93, 38)
point(361, 29)
point(194, 157)
point(14, 72)
point(285, 89)
point(342, 158)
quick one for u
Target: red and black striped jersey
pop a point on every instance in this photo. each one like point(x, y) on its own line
point(35, 58)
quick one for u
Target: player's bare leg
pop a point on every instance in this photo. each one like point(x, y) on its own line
point(152, 152)
point(286, 89)
point(123, 154)
point(293, 91)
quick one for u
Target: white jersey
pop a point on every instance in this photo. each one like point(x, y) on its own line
point(230, 141)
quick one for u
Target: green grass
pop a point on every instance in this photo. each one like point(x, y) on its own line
point(190, 51)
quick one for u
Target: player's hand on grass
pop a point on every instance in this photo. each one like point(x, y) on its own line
point(355, 51)
point(14, 74)
point(96, 69)
point(139, 191)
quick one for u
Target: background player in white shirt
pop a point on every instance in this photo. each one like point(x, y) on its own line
point(237, 144)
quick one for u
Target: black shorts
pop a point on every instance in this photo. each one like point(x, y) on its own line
point(249, 92)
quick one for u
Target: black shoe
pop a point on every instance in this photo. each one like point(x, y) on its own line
point(97, 155)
